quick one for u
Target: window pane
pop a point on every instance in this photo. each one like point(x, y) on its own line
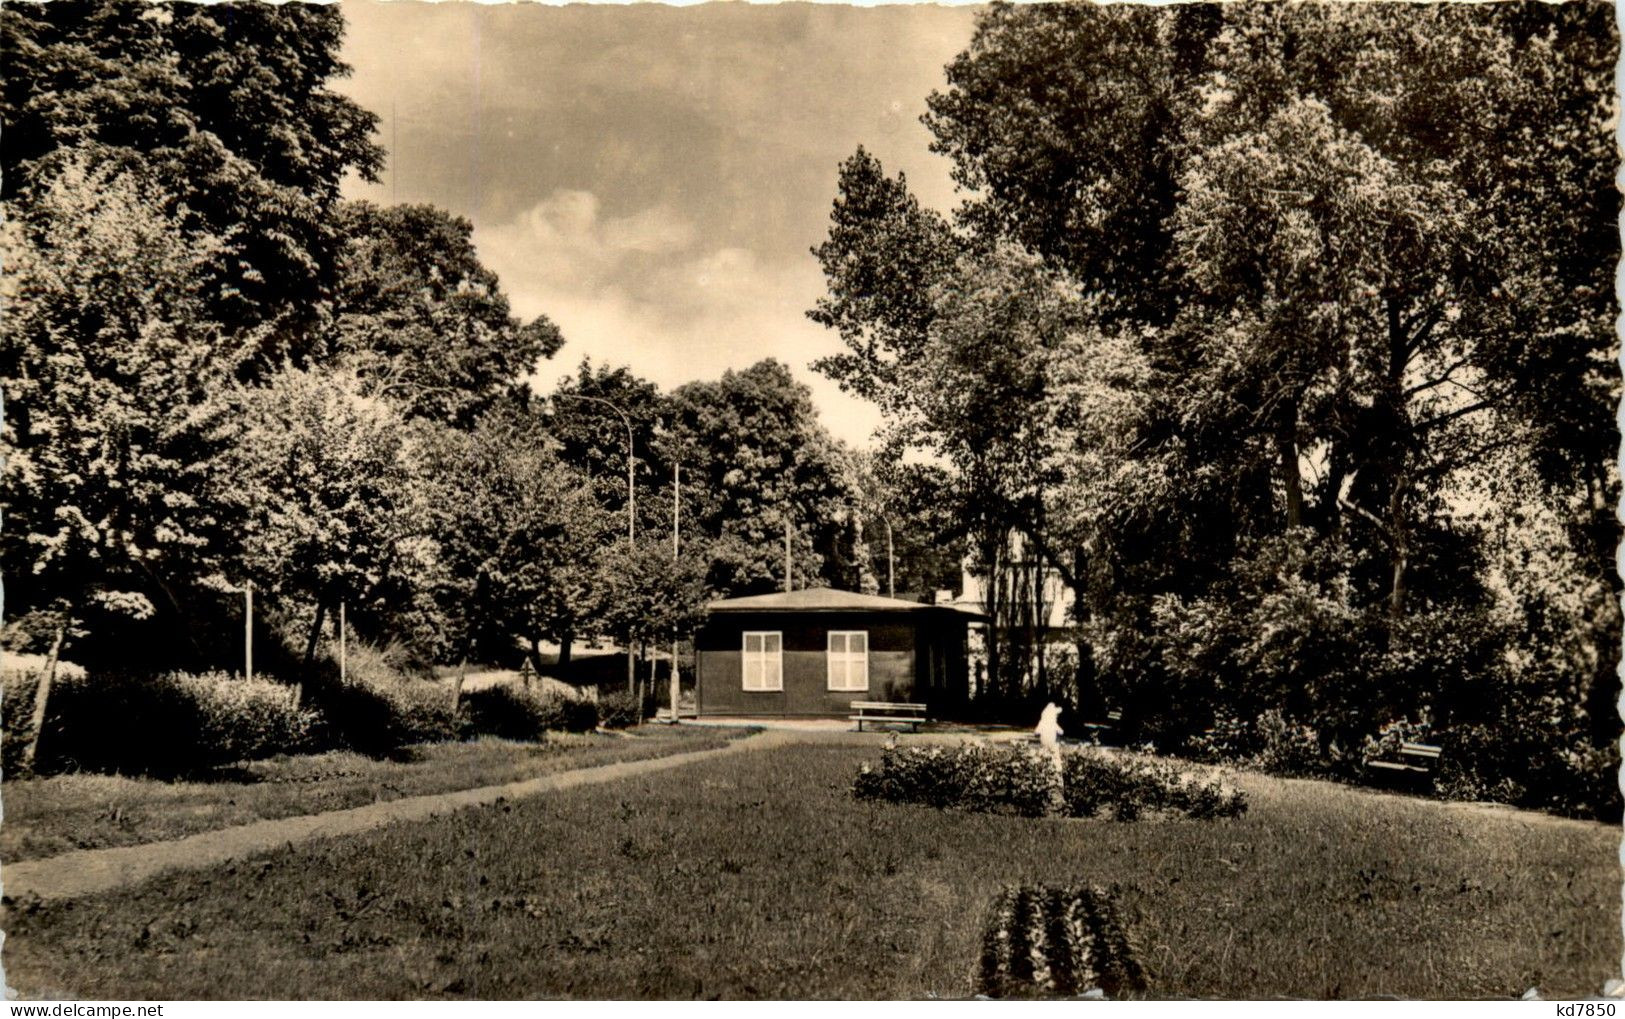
point(753, 642)
point(753, 672)
point(837, 673)
point(860, 674)
point(770, 643)
point(770, 674)
point(837, 643)
point(859, 642)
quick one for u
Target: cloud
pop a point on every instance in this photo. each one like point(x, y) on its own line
point(564, 238)
point(652, 177)
point(638, 290)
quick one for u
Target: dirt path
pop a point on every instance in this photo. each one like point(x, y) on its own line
point(87, 871)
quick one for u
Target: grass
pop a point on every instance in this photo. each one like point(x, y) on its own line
point(47, 816)
point(759, 876)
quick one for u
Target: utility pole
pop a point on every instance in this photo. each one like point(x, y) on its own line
point(248, 631)
point(676, 525)
point(788, 583)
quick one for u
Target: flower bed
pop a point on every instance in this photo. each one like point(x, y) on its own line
point(1022, 780)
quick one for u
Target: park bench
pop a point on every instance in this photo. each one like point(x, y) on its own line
point(1415, 763)
point(1098, 730)
point(895, 712)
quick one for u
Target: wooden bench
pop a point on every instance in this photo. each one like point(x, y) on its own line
point(895, 712)
point(1114, 719)
point(1416, 762)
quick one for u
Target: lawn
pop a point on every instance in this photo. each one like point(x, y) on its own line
point(758, 875)
point(47, 816)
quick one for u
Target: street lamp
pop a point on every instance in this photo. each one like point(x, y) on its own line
point(631, 490)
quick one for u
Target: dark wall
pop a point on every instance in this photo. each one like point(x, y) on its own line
point(910, 657)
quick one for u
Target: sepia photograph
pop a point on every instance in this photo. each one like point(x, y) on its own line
point(807, 501)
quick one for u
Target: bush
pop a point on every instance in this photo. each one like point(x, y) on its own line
point(1288, 747)
point(1098, 785)
point(1528, 767)
point(513, 712)
point(169, 725)
point(620, 710)
point(379, 714)
point(571, 714)
point(1021, 779)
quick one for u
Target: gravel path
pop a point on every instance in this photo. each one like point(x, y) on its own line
point(87, 871)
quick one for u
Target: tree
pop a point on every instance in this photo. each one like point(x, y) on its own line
point(883, 254)
point(1065, 125)
point(590, 414)
point(1325, 260)
point(423, 320)
point(760, 467)
point(108, 357)
point(520, 534)
point(651, 594)
point(228, 108)
point(321, 481)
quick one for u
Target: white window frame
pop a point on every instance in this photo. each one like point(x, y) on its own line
point(769, 664)
point(846, 658)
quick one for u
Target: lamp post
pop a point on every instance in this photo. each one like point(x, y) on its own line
point(676, 518)
point(891, 562)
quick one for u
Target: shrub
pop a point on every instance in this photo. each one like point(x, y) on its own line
point(1097, 785)
point(1287, 747)
point(1231, 739)
point(17, 707)
point(506, 711)
point(378, 715)
point(169, 724)
point(571, 714)
point(1021, 779)
point(513, 712)
point(619, 710)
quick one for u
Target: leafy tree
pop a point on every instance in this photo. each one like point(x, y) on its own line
point(759, 463)
point(883, 254)
point(107, 357)
point(321, 481)
point(1325, 262)
point(228, 108)
point(909, 506)
point(653, 596)
point(520, 535)
point(423, 320)
point(1065, 126)
point(590, 415)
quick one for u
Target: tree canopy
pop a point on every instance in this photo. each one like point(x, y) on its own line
point(1255, 291)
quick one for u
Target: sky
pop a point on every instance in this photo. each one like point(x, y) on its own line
point(653, 178)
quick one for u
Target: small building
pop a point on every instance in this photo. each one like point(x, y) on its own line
point(812, 653)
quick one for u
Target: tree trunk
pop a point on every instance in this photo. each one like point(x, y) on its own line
point(535, 659)
point(315, 633)
point(565, 646)
point(1040, 626)
point(457, 688)
point(42, 696)
point(651, 682)
point(310, 651)
point(994, 565)
point(1399, 551)
point(1286, 447)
